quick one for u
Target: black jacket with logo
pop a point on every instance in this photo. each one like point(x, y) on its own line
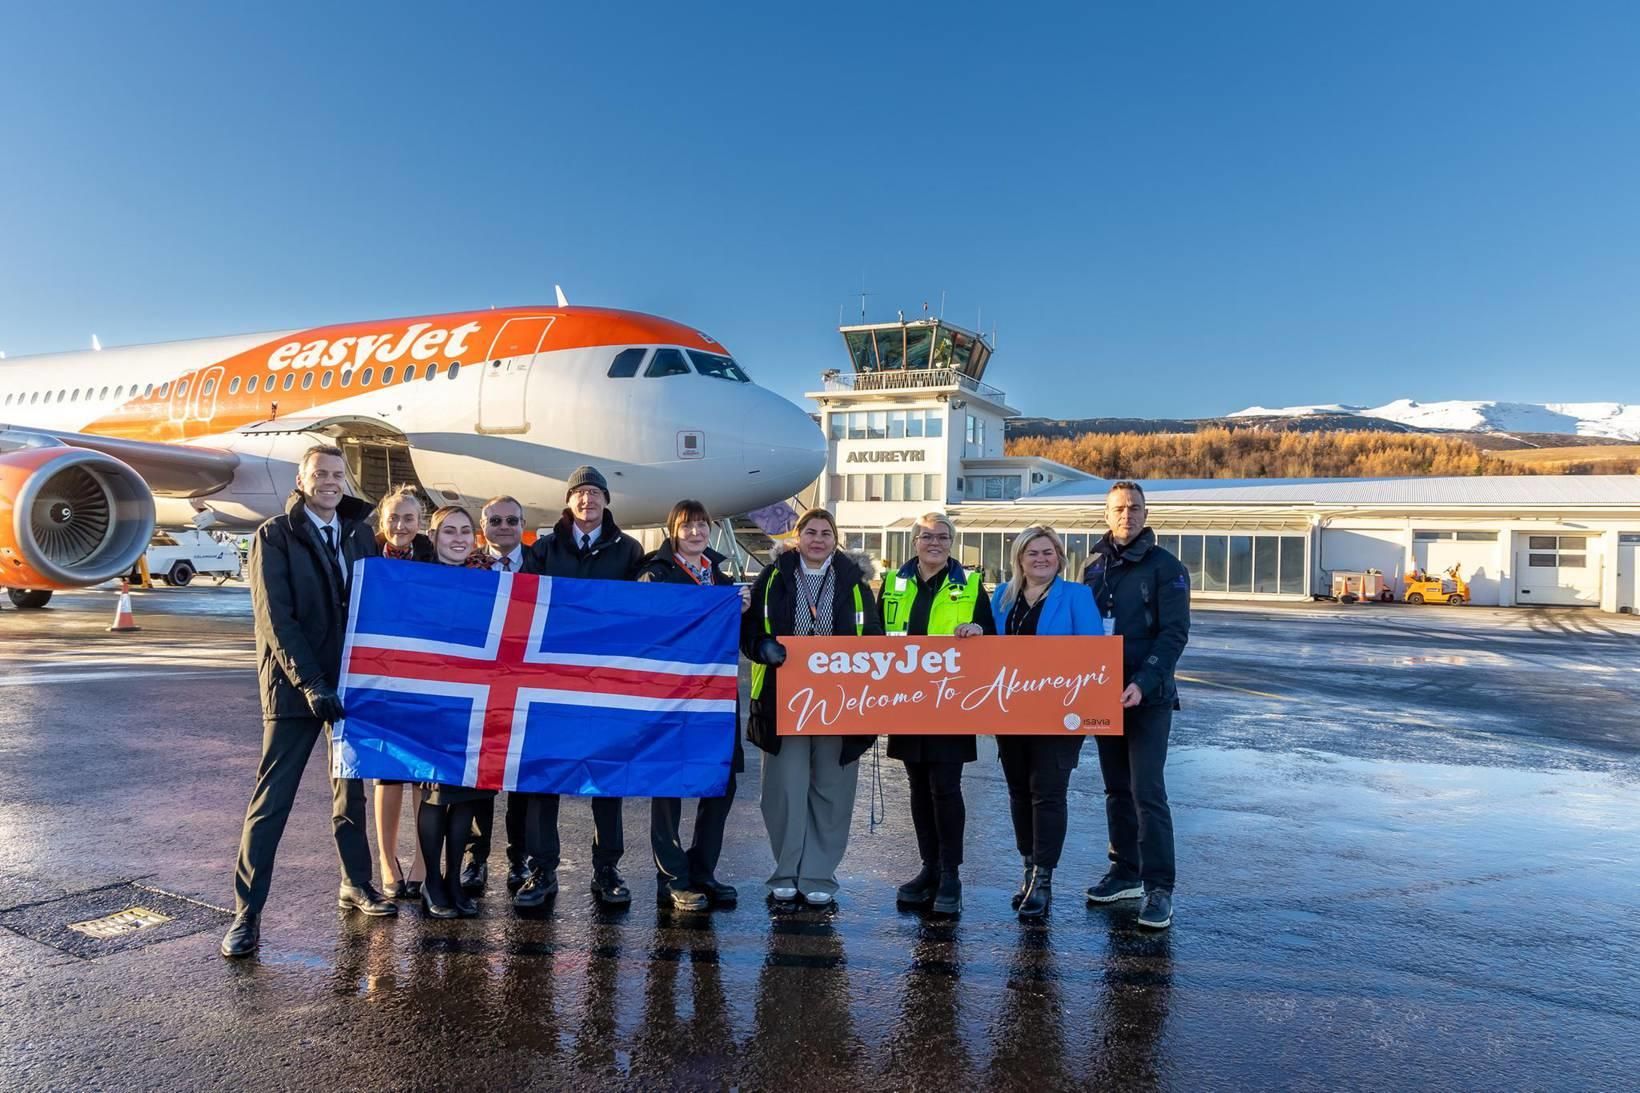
point(299, 603)
point(1147, 590)
point(660, 566)
point(614, 557)
point(779, 582)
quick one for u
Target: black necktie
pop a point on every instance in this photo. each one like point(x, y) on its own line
point(586, 542)
point(330, 552)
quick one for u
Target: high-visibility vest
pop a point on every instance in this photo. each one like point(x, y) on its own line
point(761, 671)
point(952, 607)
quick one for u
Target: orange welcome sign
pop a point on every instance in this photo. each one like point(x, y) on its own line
point(924, 685)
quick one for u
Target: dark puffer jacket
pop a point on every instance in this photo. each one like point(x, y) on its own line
point(779, 583)
point(1147, 590)
point(614, 557)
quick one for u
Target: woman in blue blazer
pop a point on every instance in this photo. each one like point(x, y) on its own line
point(1040, 601)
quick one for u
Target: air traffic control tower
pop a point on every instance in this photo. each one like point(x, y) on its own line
point(913, 427)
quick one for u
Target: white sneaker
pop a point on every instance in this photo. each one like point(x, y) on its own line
point(819, 899)
point(784, 893)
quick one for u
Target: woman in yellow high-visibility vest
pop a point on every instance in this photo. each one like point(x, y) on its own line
point(933, 595)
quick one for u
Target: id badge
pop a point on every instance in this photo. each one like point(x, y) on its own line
point(1109, 624)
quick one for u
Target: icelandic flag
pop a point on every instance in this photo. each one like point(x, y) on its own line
point(542, 684)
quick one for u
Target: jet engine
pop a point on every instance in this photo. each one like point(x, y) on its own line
point(70, 517)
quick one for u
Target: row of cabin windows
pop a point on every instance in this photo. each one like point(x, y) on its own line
point(326, 379)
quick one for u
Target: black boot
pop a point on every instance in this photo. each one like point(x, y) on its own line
point(1024, 886)
point(919, 890)
point(1038, 895)
point(948, 899)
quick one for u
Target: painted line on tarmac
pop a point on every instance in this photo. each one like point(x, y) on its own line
point(1231, 687)
point(124, 673)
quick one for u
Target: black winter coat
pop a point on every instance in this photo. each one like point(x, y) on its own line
point(658, 566)
point(614, 557)
point(779, 581)
point(299, 606)
point(1148, 591)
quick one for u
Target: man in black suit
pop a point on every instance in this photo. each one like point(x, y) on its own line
point(503, 528)
point(301, 566)
point(586, 542)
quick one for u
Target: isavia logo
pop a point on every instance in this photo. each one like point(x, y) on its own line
point(1096, 722)
point(421, 341)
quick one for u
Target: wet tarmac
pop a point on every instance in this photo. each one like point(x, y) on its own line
point(1406, 857)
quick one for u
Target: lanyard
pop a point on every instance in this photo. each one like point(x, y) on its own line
point(813, 604)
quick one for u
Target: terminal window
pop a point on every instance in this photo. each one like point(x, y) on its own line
point(884, 424)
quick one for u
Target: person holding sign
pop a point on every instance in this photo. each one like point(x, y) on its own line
point(808, 781)
point(933, 595)
point(685, 879)
point(1143, 594)
point(1039, 601)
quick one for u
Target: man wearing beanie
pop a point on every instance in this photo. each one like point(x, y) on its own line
point(586, 542)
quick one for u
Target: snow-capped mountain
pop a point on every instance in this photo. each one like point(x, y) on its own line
point(1607, 419)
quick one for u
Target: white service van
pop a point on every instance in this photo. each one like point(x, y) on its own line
point(176, 557)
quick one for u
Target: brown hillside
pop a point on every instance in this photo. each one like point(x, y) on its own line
point(1223, 453)
point(1615, 459)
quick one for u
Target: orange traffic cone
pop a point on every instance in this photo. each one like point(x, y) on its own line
point(123, 620)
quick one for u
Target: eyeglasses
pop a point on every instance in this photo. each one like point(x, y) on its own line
point(587, 491)
point(933, 538)
point(510, 521)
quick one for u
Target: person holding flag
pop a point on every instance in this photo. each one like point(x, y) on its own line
point(685, 879)
point(447, 811)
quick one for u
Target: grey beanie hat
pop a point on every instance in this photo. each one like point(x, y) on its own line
point(587, 476)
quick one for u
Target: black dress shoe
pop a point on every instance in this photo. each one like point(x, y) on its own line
point(1037, 895)
point(243, 935)
point(412, 889)
point(475, 876)
point(920, 889)
point(721, 895)
point(610, 889)
point(517, 874)
point(398, 890)
point(538, 886)
point(466, 906)
point(433, 907)
point(353, 897)
point(680, 897)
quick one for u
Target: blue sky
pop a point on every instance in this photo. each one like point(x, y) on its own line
point(1165, 209)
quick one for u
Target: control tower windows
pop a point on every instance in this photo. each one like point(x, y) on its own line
point(861, 351)
point(713, 364)
point(918, 341)
point(667, 362)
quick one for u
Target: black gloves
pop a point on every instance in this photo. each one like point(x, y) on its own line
point(323, 702)
point(770, 651)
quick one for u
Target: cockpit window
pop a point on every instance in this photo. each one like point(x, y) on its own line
point(667, 362)
point(710, 364)
point(625, 364)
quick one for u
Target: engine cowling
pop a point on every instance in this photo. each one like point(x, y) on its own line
point(70, 517)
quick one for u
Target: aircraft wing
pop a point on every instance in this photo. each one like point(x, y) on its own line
point(170, 470)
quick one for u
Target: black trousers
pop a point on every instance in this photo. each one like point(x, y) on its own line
point(1038, 772)
point(478, 842)
point(937, 811)
point(286, 745)
point(541, 831)
point(699, 861)
point(1141, 825)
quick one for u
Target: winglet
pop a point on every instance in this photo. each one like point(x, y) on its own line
point(95, 344)
point(562, 300)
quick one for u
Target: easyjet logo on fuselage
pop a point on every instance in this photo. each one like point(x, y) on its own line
point(421, 341)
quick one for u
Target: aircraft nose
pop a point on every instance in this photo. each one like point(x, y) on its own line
point(784, 449)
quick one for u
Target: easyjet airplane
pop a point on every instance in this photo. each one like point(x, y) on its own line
point(97, 446)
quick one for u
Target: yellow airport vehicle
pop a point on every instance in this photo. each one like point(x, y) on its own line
point(1423, 588)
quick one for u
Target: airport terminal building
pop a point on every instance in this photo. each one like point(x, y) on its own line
point(913, 427)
